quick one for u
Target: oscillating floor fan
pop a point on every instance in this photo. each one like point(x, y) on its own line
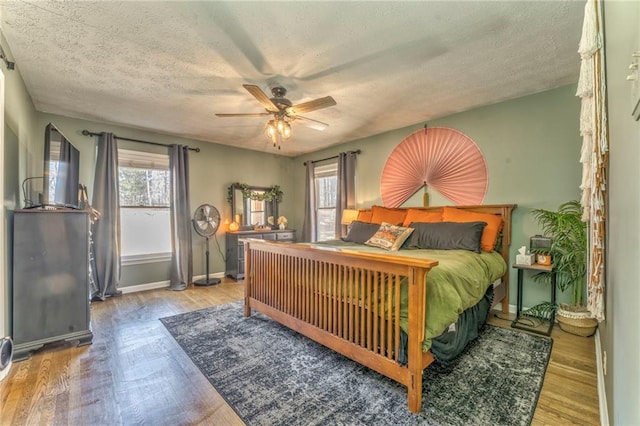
point(206, 220)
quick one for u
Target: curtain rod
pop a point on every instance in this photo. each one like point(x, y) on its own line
point(88, 133)
point(357, 151)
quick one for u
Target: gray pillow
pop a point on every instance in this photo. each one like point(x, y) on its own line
point(359, 232)
point(447, 236)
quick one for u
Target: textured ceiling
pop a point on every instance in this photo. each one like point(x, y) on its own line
point(170, 66)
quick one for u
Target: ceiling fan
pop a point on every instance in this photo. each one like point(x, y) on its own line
point(284, 112)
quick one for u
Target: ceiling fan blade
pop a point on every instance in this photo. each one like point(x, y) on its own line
point(261, 97)
point(257, 114)
point(314, 124)
point(313, 105)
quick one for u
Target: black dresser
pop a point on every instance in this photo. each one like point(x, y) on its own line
point(234, 267)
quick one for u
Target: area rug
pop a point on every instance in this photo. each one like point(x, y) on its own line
point(271, 375)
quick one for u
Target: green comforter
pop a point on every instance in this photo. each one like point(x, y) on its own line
point(456, 284)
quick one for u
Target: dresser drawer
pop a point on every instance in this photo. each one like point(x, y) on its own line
point(286, 236)
point(234, 262)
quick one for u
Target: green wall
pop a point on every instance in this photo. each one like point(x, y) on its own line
point(211, 171)
point(11, 198)
point(619, 333)
point(531, 145)
point(19, 160)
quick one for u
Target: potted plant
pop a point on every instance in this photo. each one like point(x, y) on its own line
point(569, 256)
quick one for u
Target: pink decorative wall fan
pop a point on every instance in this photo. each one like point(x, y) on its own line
point(442, 158)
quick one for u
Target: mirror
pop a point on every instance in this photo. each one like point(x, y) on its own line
point(251, 206)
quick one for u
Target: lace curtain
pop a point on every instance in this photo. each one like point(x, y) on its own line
point(595, 148)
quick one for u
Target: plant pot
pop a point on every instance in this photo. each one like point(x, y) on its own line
point(576, 320)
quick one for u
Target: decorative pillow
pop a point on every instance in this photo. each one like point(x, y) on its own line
point(491, 231)
point(417, 215)
point(389, 237)
point(447, 236)
point(360, 232)
point(384, 214)
point(364, 215)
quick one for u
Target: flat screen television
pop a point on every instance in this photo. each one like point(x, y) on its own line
point(61, 170)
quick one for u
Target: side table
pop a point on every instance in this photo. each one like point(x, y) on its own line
point(538, 268)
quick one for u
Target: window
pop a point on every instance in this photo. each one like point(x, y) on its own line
point(145, 232)
point(257, 212)
point(326, 181)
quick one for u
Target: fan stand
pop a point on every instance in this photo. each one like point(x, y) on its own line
point(207, 281)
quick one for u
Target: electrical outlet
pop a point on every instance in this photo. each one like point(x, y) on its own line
point(604, 362)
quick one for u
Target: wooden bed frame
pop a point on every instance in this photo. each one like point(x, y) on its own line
point(330, 296)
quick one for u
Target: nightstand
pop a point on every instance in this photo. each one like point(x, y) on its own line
point(535, 268)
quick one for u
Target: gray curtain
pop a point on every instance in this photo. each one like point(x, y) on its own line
point(106, 231)
point(181, 253)
point(346, 194)
point(309, 226)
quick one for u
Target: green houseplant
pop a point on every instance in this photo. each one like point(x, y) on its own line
point(569, 256)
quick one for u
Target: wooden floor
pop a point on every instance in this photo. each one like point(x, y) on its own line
point(135, 373)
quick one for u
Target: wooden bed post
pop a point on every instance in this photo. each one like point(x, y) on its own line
point(507, 211)
point(248, 278)
point(417, 312)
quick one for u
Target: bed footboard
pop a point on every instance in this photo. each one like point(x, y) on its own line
point(345, 301)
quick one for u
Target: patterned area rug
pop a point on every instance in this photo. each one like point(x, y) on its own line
point(271, 375)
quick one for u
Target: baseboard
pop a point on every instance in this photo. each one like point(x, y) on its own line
point(602, 395)
point(498, 308)
point(143, 287)
point(214, 275)
point(162, 284)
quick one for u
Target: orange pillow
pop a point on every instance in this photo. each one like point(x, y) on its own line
point(490, 232)
point(384, 214)
point(364, 215)
point(416, 215)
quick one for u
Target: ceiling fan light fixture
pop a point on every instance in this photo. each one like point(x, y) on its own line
point(271, 129)
point(277, 129)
